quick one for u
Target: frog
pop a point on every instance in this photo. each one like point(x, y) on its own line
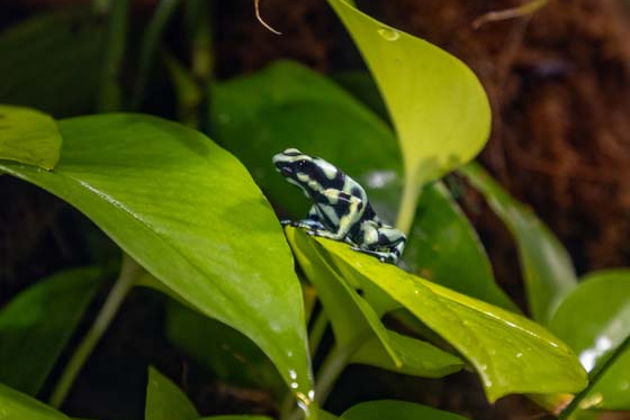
point(340, 207)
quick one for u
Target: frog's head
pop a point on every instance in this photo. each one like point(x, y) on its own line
point(310, 173)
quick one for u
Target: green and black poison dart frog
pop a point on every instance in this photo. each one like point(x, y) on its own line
point(341, 209)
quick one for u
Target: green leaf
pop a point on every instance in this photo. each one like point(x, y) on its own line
point(358, 326)
point(237, 418)
point(594, 319)
point(288, 105)
point(165, 401)
point(191, 215)
point(17, 406)
point(233, 358)
point(399, 410)
point(443, 247)
point(37, 323)
point(511, 354)
point(547, 268)
point(51, 62)
point(29, 136)
point(438, 106)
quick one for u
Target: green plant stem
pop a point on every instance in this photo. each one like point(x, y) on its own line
point(110, 96)
point(317, 332)
point(408, 204)
point(153, 34)
point(129, 273)
point(595, 376)
point(331, 368)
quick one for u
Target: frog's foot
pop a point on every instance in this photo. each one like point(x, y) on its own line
point(385, 257)
point(287, 222)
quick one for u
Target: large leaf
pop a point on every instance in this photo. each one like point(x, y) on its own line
point(288, 105)
point(511, 354)
point(189, 213)
point(165, 401)
point(52, 62)
point(438, 106)
point(399, 410)
point(243, 417)
point(17, 406)
point(357, 325)
point(37, 323)
point(594, 319)
point(443, 247)
point(547, 268)
point(232, 357)
point(29, 136)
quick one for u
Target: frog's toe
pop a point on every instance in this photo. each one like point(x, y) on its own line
point(286, 222)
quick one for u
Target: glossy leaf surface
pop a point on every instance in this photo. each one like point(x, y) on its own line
point(438, 106)
point(357, 324)
point(52, 62)
point(17, 406)
point(443, 247)
point(37, 323)
point(399, 410)
point(594, 319)
point(189, 213)
point(511, 354)
point(547, 267)
point(165, 401)
point(29, 136)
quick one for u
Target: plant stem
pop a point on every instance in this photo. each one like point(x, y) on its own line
point(595, 376)
point(129, 273)
point(408, 205)
point(515, 12)
point(333, 366)
point(150, 42)
point(117, 11)
point(317, 332)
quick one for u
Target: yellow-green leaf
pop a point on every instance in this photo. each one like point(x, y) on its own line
point(29, 136)
point(510, 353)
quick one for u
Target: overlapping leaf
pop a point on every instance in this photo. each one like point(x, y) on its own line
point(17, 406)
point(510, 353)
point(438, 106)
point(548, 271)
point(36, 324)
point(357, 324)
point(52, 62)
point(594, 319)
point(399, 410)
point(189, 213)
point(165, 401)
point(29, 136)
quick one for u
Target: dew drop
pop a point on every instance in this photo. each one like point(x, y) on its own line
point(293, 374)
point(389, 34)
point(294, 385)
point(519, 355)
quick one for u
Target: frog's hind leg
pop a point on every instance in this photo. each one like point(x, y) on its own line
point(384, 242)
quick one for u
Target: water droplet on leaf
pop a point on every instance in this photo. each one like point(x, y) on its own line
point(389, 34)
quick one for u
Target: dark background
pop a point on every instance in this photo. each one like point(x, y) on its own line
point(559, 84)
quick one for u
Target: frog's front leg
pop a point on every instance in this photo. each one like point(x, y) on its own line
point(342, 210)
point(312, 221)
